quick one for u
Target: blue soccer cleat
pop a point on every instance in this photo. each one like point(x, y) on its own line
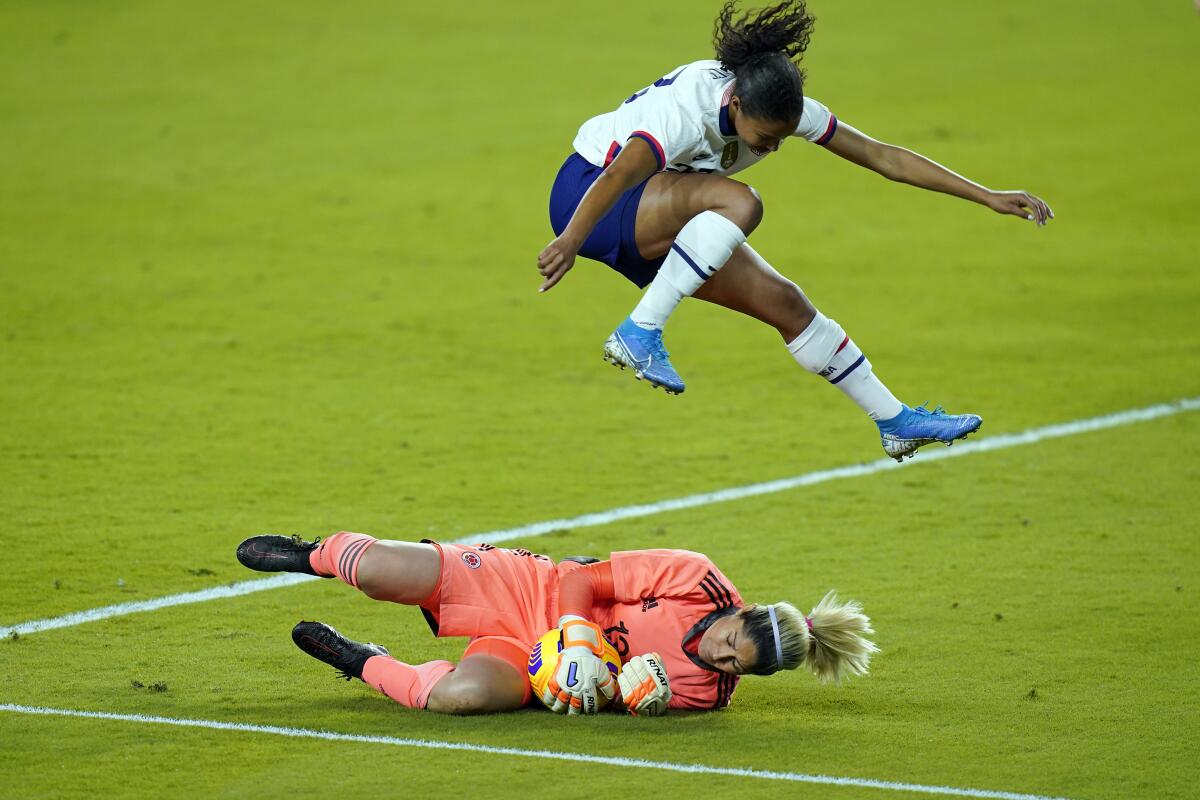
point(642, 350)
point(917, 427)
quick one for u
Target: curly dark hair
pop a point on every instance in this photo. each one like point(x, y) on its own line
point(761, 49)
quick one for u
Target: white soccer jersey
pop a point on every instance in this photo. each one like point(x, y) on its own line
point(684, 117)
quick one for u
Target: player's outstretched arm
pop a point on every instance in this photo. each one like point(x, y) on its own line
point(905, 166)
point(635, 163)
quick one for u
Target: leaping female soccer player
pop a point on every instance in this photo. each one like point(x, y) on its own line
point(680, 627)
point(647, 191)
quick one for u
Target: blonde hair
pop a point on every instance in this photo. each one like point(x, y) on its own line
point(833, 646)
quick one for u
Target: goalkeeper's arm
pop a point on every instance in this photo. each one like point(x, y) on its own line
point(645, 688)
point(581, 675)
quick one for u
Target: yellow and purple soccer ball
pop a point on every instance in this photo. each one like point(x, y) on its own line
point(543, 658)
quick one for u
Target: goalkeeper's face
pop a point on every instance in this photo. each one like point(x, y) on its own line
point(726, 647)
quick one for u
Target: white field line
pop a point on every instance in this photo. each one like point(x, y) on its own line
point(989, 444)
point(615, 761)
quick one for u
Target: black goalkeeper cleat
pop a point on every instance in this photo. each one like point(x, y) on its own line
point(325, 644)
point(277, 554)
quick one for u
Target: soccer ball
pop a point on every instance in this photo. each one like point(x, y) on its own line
point(543, 659)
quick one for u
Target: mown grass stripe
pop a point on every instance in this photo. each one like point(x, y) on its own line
point(999, 442)
point(616, 761)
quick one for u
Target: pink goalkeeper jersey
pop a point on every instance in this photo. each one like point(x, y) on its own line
point(663, 602)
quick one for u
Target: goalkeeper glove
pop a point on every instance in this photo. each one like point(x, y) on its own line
point(644, 685)
point(581, 675)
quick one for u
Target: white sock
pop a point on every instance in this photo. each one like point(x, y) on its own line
point(702, 247)
point(824, 348)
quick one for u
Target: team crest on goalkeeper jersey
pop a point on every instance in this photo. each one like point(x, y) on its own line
point(472, 560)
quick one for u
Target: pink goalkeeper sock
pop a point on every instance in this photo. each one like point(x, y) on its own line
point(407, 685)
point(339, 555)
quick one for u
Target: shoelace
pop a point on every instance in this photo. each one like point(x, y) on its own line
point(938, 410)
point(657, 350)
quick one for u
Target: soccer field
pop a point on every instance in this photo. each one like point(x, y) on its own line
point(270, 267)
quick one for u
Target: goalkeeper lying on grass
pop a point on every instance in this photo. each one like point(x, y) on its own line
point(682, 632)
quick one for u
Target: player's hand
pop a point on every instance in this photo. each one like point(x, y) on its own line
point(1020, 204)
point(578, 680)
point(555, 260)
point(645, 688)
point(581, 676)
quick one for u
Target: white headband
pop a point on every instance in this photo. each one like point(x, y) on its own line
point(775, 632)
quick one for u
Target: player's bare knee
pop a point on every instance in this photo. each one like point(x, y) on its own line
point(753, 208)
point(462, 696)
point(744, 207)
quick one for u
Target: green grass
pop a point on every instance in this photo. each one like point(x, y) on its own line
point(269, 266)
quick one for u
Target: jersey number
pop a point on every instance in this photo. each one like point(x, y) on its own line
point(617, 641)
point(660, 82)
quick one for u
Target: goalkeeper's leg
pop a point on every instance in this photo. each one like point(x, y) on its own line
point(481, 684)
point(487, 680)
point(399, 572)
